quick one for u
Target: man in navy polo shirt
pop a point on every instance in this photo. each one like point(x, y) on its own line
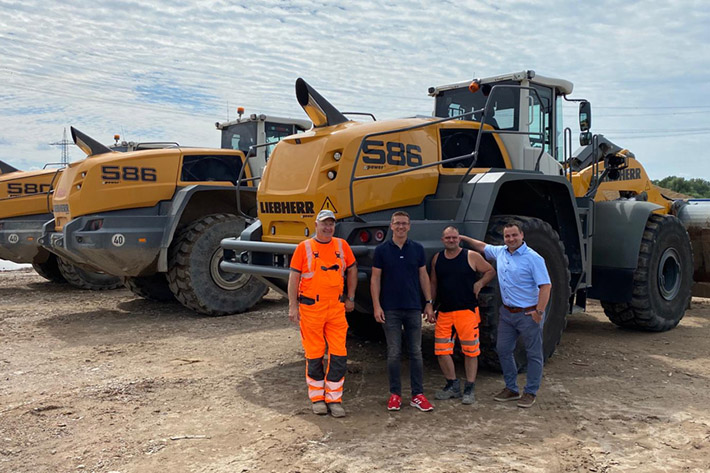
point(399, 278)
point(525, 289)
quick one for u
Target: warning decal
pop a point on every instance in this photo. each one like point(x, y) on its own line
point(328, 205)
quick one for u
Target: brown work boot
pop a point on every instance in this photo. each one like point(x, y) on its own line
point(527, 400)
point(506, 395)
point(336, 409)
point(320, 408)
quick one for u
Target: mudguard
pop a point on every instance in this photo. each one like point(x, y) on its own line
point(618, 230)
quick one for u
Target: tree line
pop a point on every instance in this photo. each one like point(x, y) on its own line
point(699, 188)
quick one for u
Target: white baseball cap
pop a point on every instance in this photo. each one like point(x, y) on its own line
point(325, 215)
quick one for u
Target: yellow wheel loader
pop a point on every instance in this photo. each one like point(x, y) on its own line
point(25, 203)
point(155, 217)
point(494, 151)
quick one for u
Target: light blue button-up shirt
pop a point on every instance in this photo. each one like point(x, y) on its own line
point(520, 274)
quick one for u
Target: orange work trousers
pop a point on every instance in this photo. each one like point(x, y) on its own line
point(458, 323)
point(324, 324)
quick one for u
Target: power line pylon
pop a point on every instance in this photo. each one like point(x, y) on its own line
point(65, 147)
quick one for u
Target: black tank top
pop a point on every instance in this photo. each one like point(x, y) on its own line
point(455, 280)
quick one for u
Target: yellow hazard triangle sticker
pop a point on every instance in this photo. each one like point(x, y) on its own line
point(328, 205)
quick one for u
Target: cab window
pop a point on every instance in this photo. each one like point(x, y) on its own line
point(206, 168)
point(505, 106)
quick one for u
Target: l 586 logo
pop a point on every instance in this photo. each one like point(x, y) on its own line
point(128, 173)
point(392, 152)
point(16, 188)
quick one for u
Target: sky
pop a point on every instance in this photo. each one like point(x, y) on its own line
point(167, 71)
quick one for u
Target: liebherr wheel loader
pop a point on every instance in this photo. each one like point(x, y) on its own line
point(156, 217)
point(494, 151)
point(25, 206)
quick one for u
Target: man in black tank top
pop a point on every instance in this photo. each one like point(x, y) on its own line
point(455, 284)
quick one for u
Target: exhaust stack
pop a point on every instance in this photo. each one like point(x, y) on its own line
point(87, 144)
point(319, 110)
point(6, 168)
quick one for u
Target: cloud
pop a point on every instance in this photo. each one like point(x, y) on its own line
point(174, 68)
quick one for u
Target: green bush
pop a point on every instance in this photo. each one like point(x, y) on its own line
point(699, 188)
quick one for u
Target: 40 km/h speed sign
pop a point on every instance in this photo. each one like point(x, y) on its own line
point(118, 239)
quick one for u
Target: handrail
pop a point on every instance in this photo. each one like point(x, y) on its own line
point(567, 151)
point(473, 155)
point(364, 114)
point(486, 109)
point(247, 157)
point(412, 169)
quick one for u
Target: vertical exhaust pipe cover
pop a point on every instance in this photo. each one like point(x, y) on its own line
point(319, 110)
point(87, 144)
point(6, 168)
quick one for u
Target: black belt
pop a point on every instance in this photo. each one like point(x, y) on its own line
point(516, 310)
point(305, 300)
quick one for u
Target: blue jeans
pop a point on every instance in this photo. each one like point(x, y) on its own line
point(411, 320)
point(510, 327)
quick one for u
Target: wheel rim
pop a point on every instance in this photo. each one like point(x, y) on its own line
point(669, 274)
point(227, 281)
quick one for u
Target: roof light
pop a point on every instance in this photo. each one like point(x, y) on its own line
point(474, 86)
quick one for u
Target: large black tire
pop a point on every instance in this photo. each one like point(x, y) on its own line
point(541, 237)
point(84, 279)
point(155, 287)
point(663, 279)
point(194, 275)
point(49, 270)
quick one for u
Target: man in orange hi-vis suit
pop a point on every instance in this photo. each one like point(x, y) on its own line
point(319, 266)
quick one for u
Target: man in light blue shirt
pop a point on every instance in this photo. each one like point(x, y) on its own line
point(525, 289)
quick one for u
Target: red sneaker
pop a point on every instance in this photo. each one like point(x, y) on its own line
point(421, 403)
point(395, 403)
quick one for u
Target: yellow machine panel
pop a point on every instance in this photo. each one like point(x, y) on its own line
point(311, 172)
point(115, 181)
point(632, 182)
point(27, 192)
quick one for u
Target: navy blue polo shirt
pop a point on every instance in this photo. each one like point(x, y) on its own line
point(399, 286)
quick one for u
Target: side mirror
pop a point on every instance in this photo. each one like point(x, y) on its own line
point(585, 138)
point(585, 116)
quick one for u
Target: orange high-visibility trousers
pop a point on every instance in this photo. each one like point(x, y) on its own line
point(458, 323)
point(324, 324)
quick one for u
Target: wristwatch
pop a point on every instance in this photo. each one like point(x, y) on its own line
point(430, 301)
point(351, 299)
point(539, 312)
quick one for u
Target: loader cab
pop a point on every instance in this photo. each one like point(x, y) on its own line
point(526, 107)
point(259, 134)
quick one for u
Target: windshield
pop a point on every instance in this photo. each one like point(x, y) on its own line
point(239, 136)
point(275, 132)
point(505, 106)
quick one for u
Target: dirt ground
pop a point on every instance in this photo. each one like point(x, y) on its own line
point(107, 382)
